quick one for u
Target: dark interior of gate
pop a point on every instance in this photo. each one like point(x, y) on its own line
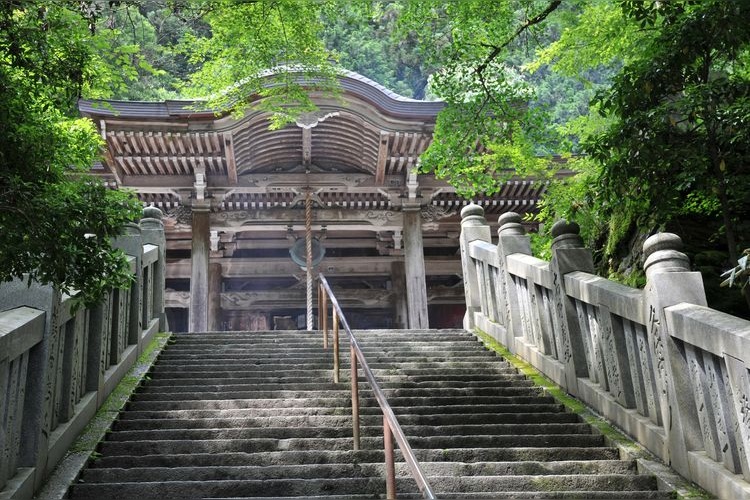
point(233, 193)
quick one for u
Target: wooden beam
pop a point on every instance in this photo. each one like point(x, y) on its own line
point(279, 267)
point(275, 219)
point(306, 146)
point(382, 157)
point(277, 243)
point(269, 300)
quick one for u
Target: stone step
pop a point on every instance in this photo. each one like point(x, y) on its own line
point(542, 484)
point(266, 366)
point(482, 365)
point(195, 387)
point(307, 487)
point(232, 411)
point(273, 346)
point(343, 470)
point(209, 393)
point(256, 415)
point(416, 401)
point(239, 396)
point(233, 372)
point(283, 430)
point(409, 392)
point(409, 371)
point(231, 489)
point(254, 445)
point(291, 457)
point(184, 446)
point(156, 385)
point(276, 432)
point(439, 375)
point(343, 420)
point(343, 399)
point(259, 358)
point(505, 381)
point(298, 336)
point(554, 495)
point(237, 422)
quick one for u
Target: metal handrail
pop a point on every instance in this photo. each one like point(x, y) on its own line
point(391, 427)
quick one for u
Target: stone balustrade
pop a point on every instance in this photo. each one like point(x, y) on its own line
point(59, 364)
point(658, 363)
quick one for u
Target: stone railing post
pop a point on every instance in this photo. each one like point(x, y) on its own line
point(669, 282)
point(38, 402)
point(511, 238)
point(131, 242)
point(473, 227)
point(568, 255)
point(152, 230)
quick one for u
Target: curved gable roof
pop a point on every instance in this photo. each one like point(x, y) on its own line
point(365, 129)
point(353, 84)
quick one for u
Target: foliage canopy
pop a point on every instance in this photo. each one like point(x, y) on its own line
point(56, 221)
point(647, 99)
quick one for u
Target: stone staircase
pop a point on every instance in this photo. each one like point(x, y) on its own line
point(245, 415)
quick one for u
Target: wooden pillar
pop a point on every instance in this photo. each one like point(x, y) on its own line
point(398, 286)
point(198, 315)
point(214, 297)
point(416, 287)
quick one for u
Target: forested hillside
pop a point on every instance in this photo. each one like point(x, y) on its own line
point(649, 99)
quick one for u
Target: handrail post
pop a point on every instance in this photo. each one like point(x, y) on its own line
point(355, 399)
point(323, 313)
point(391, 428)
point(390, 466)
point(335, 347)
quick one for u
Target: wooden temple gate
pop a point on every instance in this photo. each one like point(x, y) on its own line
point(233, 193)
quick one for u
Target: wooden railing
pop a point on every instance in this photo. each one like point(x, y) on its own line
point(671, 372)
point(58, 364)
point(391, 427)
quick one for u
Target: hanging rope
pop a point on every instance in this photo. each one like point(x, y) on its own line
point(308, 256)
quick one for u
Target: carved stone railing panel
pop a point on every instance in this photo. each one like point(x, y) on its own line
point(20, 332)
point(671, 372)
point(58, 363)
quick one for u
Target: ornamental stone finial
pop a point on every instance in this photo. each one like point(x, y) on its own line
point(566, 234)
point(152, 218)
point(510, 224)
point(472, 215)
point(152, 212)
point(662, 254)
point(131, 229)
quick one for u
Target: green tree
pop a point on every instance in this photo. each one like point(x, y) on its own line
point(364, 37)
point(56, 221)
point(261, 47)
point(679, 140)
point(489, 130)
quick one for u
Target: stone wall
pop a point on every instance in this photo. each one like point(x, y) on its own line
point(658, 363)
point(60, 364)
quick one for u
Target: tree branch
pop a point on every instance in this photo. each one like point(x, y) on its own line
point(554, 4)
